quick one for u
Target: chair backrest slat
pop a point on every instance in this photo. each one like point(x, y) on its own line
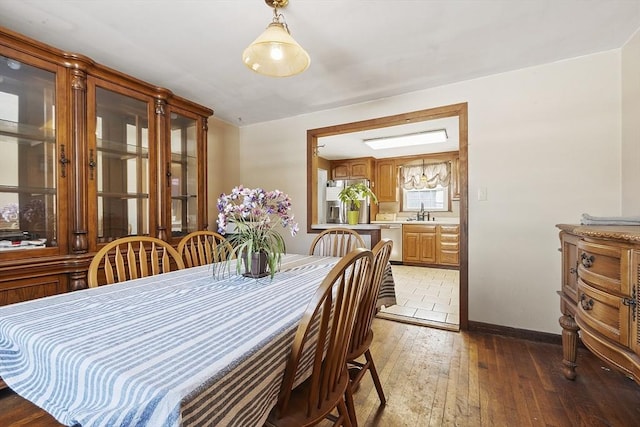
point(204, 247)
point(336, 242)
point(128, 258)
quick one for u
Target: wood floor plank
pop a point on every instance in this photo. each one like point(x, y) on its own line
point(473, 393)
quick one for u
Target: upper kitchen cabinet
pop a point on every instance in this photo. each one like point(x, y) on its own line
point(386, 184)
point(361, 168)
point(90, 154)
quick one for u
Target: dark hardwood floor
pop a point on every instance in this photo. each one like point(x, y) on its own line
point(433, 377)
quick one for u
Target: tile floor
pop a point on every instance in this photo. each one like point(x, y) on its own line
point(427, 296)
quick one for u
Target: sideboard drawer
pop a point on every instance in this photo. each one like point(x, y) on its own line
point(604, 313)
point(602, 267)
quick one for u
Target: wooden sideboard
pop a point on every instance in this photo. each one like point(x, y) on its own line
point(599, 295)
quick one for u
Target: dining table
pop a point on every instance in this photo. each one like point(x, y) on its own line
point(201, 346)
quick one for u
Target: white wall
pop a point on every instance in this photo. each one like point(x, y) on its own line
point(544, 141)
point(222, 168)
point(631, 126)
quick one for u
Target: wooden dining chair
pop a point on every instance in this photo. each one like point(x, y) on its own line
point(362, 333)
point(204, 247)
point(321, 344)
point(336, 242)
point(132, 257)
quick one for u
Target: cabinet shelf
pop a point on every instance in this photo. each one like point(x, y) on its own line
point(25, 134)
point(33, 191)
point(116, 149)
point(180, 158)
point(109, 195)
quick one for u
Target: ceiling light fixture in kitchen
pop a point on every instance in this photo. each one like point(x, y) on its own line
point(275, 53)
point(406, 140)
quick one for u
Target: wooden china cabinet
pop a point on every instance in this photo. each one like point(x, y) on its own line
point(88, 155)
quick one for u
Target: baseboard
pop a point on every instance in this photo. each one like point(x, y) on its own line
point(526, 334)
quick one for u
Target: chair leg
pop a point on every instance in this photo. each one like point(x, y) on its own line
point(351, 407)
point(344, 412)
point(374, 375)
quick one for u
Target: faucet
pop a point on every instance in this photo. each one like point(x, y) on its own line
point(420, 215)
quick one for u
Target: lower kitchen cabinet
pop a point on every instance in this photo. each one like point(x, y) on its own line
point(436, 244)
point(419, 244)
point(448, 249)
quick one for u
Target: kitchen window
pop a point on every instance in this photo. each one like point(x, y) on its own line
point(433, 199)
point(426, 186)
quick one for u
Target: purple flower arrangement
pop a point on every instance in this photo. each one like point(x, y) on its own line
point(256, 214)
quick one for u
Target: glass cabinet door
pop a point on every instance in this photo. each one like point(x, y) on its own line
point(28, 157)
point(184, 174)
point(121, 166)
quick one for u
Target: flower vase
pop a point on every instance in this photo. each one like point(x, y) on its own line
point(258, 266)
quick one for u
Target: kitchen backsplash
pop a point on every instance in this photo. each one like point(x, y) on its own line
point(394, 207)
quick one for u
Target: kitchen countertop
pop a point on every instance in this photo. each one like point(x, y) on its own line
point(443, 220)
point(371, 226)
point(375, 225)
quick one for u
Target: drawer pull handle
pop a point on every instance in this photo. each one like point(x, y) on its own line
point(586, 305)
point(631, 302)
point(587, 260)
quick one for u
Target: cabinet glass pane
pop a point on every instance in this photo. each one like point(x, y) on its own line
point(184, 175)
point(122, 170)
point(28, 187)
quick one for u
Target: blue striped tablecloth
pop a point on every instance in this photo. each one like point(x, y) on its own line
point(176, 349)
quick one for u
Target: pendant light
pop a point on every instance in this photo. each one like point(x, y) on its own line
point(275, 53)
point(423, 178)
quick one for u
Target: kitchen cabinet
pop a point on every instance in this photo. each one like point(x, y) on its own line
point(599, 295)
point(386, 182)
point(360, 168)
point(448, 245)
point(92, 155)
point(419, 244)
point(436, 244)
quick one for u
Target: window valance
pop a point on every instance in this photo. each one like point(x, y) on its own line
point(435, 174)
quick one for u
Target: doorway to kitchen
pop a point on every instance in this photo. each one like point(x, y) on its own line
point(314, 160)
point(425, 296)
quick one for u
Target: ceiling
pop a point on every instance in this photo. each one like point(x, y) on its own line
point(360, 50)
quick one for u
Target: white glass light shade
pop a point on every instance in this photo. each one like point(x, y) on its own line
point(275, 53)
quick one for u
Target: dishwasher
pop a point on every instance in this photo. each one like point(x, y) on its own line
point(393, 232)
